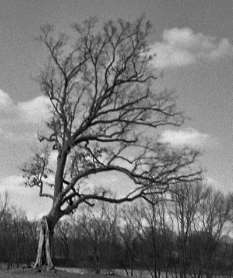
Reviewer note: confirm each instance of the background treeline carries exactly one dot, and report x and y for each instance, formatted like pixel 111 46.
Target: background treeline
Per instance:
pixel 186 231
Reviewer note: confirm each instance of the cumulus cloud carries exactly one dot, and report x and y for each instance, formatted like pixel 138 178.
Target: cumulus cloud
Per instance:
pixel 215 183
pixel 185 138
pixel 19 121
pixel 7 136
pixel 182 46
pixel 5 100
pixel 23 197
pixel 9 183
pixel 211 181
pixel 34 110
pixel 31 111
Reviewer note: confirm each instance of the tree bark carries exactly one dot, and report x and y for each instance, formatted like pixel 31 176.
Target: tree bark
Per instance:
pixel 44 251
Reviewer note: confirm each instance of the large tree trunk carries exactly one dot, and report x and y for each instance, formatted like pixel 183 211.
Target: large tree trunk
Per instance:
pixel 44 251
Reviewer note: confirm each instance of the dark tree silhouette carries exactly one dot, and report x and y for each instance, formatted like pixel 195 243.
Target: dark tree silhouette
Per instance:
pixel 105 117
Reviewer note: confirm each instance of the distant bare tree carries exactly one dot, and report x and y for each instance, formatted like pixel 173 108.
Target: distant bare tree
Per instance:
pixel 97 227
pixel 17 235
pixel 146 223
pixel 105 113
pixel 129 234
pixel 186 201
pixel 154 228
pixel 215 213
pixel 63 230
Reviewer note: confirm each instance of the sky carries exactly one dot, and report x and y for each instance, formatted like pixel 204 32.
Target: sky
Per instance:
pixel 192 41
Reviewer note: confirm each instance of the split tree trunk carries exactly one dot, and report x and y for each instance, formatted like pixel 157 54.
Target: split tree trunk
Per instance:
pixel 44 251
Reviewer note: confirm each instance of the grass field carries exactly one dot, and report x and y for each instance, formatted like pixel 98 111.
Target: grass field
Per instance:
pixel 55 274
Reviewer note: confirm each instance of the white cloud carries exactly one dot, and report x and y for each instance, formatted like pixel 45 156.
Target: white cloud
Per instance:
pixel 7 136
pixel 187 137
pixel 24 198
pixel 31 111
pixel 20 121
pixel 211 181
pixel 34 110
pixel 216 183
pixel 116 183
pixel 11 183
pixel 5 100
pixel 181 47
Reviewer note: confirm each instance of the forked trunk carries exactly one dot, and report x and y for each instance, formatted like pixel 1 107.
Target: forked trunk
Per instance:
pixel 44 251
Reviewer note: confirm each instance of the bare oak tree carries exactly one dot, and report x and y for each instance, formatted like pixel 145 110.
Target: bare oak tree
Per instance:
pixel 105 117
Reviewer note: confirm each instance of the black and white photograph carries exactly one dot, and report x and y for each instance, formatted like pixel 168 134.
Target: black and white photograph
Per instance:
pixel 116 138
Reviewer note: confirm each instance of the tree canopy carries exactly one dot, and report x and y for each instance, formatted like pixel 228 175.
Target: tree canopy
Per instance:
pixel 105 113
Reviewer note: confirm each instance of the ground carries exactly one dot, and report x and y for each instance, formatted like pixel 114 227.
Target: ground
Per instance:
pixel 57 274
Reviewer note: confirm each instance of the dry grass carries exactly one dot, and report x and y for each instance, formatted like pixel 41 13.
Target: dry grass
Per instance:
pixel 18 273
